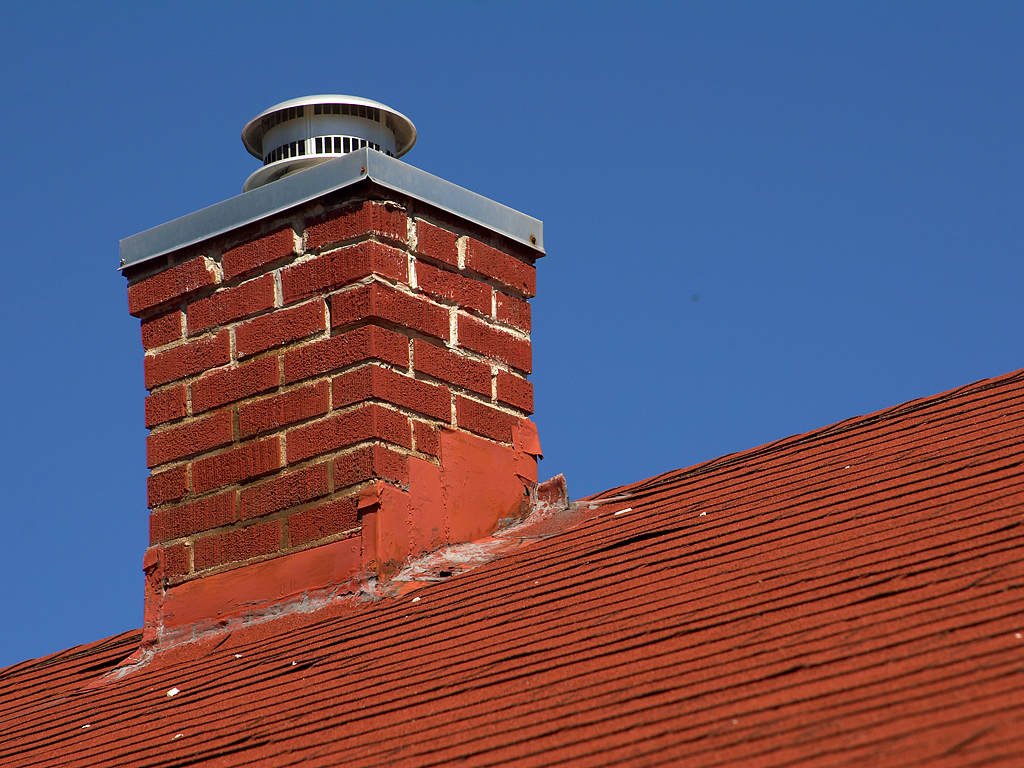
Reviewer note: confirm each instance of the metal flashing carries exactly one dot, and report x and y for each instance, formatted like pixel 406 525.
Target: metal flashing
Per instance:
pixel 303 186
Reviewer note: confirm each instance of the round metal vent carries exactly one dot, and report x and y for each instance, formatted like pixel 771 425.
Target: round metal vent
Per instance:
pixel 298 133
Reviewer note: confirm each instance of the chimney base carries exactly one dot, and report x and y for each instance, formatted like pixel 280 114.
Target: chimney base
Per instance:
pixel 477 487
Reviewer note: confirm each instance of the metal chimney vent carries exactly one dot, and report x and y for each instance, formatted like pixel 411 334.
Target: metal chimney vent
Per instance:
pixel 298 133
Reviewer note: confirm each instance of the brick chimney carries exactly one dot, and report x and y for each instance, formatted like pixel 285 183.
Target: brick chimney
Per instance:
pixel 337 367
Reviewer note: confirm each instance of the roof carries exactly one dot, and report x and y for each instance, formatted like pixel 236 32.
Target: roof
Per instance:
pixel 850 596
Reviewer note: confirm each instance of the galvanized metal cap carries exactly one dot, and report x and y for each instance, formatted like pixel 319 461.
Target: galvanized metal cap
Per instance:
pixel 303 132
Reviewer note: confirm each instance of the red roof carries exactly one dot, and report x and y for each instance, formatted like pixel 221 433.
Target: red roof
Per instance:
pixel 850 596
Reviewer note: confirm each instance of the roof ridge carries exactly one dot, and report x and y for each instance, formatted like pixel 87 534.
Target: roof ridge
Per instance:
pixel 631 490
pixel 80 651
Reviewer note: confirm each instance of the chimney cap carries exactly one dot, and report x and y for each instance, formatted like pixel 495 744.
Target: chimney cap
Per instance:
pixel 404 130
pixel 308 130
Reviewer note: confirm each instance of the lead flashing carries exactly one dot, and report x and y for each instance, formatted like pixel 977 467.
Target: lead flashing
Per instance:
pixel 322 179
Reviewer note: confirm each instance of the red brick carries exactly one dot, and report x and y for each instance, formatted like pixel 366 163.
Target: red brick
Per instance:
pixel 165 405
pixel 495 343
pixel 371 462
pixel 172 284
pixel 164 487
pixel 186 359
pixel 378 302
pixel 484 420
pixel 454 289
pixel 284 491
pixel 237 545
pixel 370 218
pixel 436 243
pixel 453 368
pixel 196 437
pixel 229 384
pixel 426 438
pixel 280 327
pixel 374 382
pixel 230 304
pixel 257 254
pixel 325 520
pixel 367 422
pixel 498 265
pixel 512 311
pixel 162 329
pixel 283 409
pixel 176 560
pixel 192 517
pixel 246 462
pixel 515 391
pixel 340 268
pixel 328 355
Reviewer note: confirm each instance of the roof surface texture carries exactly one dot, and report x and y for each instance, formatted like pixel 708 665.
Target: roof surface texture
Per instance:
pixel 851 596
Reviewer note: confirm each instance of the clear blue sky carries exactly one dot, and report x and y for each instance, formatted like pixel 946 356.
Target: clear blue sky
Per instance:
pixel 760 219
